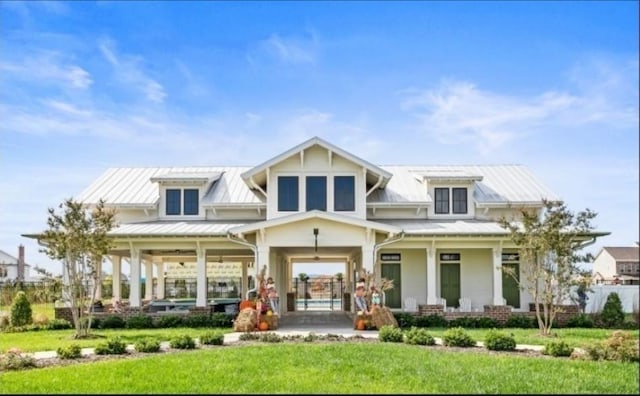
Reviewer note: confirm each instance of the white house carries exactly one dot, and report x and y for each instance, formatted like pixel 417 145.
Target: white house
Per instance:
pixel 432 229
pixel 619 265
pixel 13 268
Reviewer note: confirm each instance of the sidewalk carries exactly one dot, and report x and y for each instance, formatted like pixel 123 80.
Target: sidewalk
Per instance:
pixel 234 337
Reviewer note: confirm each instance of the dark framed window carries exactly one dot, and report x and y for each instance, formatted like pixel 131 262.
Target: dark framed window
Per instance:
pixel 459 200
pixel 442 200
pixel 510 257
pixel 173 202
pixel 287 193
pixel 191 202
pixel 316 193
pixel 344 193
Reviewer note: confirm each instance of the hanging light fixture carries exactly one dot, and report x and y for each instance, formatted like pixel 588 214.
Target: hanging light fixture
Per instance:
pixel 315 233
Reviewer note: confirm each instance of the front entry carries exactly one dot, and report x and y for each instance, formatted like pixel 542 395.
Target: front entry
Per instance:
pixel 510 287
pixel 316 293
pixel 393 297
pixel 450 283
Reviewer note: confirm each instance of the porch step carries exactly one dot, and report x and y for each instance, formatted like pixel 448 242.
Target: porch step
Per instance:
pixel 316 320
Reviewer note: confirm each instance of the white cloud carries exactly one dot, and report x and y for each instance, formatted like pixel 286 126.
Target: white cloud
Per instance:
pixel 129 70
pixel 288 49
pixel 458 112
pixel 47 68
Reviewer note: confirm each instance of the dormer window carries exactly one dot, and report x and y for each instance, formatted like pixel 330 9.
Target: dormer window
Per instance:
pixel 175 197
pixel 344 193
pixel 458 200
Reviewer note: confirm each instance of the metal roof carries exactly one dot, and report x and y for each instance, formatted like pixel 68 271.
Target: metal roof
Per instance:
pixel 174 228
pixel 195 177
pixel 500 184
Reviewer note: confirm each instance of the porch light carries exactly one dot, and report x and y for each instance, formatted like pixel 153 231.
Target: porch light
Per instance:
pixel 315 233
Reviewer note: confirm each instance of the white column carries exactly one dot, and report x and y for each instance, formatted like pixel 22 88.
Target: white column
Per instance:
pixel 148 276
pixel 432 297
pixel 497 276
pixel 244 284
pixel 263 260
pixel 99 280
pixel 134 279
pixel 116 278
pixel 161 280
pixel 201 278
pixel 367 257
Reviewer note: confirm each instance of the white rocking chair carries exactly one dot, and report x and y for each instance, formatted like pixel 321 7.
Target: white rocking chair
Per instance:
pixel 410 304
pixel 465 304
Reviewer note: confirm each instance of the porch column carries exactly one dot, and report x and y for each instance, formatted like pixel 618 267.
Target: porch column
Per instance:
pixel 134 279
pixel 367 257
pixel 263 261
pixel 244 284
pixel 201 278
pixel 116 278
pixel 497 276
pixel 99 280
pixel 161 283
pixel 148 280
pixel 432 297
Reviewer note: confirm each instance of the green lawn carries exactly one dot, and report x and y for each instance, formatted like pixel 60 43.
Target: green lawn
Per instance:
pixel 320 368
pixel 33 341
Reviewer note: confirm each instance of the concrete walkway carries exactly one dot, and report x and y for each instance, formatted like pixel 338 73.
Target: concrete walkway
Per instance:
pixel 297 323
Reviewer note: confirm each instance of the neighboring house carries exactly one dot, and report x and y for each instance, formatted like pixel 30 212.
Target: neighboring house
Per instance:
pixel 617 265
pixel 432 229
pixel 13 268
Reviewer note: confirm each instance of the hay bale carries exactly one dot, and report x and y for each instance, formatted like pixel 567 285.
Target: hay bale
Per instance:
pixel 272 321
pixel 247 320
pixel 382 316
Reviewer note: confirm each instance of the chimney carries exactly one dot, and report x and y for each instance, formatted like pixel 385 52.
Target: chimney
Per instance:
pixel 21 262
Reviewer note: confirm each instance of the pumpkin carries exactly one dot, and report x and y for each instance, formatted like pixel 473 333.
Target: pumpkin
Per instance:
pixel 263 326
pixel 247 304
pixel 269 313
pixel 360 324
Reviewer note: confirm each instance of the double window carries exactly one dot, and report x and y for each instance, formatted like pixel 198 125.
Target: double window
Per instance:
pixel 175 198
pixel 344 193
pixel 458 200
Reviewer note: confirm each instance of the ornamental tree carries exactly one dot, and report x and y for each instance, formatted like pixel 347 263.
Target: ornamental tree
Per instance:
pixel 77 236
pixel 550 244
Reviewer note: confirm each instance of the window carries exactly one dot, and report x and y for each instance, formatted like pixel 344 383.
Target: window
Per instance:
pixel 173 202
pixel 442 200
pixel 450 257
pixel 3 272
pixel 287 193
pixel 317 193
pixel 190 202
pixel 459 200
pixel 344 193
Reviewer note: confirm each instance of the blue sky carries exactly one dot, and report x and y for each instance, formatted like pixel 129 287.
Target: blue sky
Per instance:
pixel 89 85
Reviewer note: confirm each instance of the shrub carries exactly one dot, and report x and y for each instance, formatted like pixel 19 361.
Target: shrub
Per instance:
pixel 59 324
pixel 112 322
pixel 21 310
pixel 139 322
pixel 14 360
pixel 457 337
pixel 311 337
pixel 95 322
pixel 222 320
pixel 270 337
pixel 182 342
pixel 212 338
pixel 249 336
pixel 521 322
pixel 200 320
pixel 581 320
pixel 113 346
pixel 72 351
pixel 621 346
pixel 405 319
pixel 390 334
pixel 148 345
pixel 557 348
pixel 497 341
pixel 433 320
pixel 612 315
pixel 169 321
pixel 418 336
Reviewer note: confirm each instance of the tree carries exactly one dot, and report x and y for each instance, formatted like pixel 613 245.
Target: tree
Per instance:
pixel 78 237
pixel 550 242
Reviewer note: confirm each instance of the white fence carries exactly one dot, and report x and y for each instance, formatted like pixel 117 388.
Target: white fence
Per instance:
pixel 629 297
